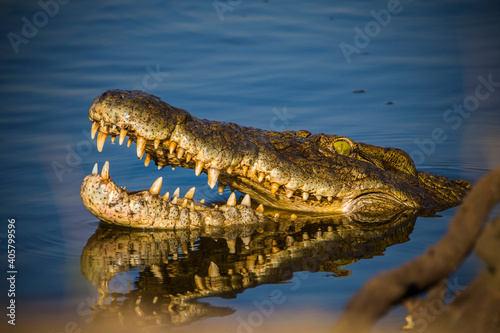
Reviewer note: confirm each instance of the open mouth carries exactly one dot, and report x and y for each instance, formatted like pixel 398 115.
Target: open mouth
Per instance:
pixel 293 171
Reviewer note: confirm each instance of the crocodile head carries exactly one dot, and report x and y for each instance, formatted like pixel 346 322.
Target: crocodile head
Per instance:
pixel 295 171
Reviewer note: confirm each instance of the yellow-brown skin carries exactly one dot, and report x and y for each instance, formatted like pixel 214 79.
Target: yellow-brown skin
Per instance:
pixel 296 171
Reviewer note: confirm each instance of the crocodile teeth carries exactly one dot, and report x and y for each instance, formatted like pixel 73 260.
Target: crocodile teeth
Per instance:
pixel 160 166
pixel 260 209
pixel 202 201
pixel 180 152
pixel 177 193
pixel 123 133
pixel 113 138
pixel 261 177
pixel 105 171
pixel 95 170
pixel 289 193
pixel 166 196
pixel 305 196
pixel 190 193
pixel 141 146
pixel 330 198
pixel 246 200
pixel 213 175
pixel 93 131
pixel 171 147
pixel 319 197
pixel 147 160
pixel 198 168
pixel 156 143
pixel 188 157
pixel 156 187
pixel 274 187
pixel 221 188
pixel 231 202
pixel 230 170
pixel 185 203
pixel 293 217
pixel 213 270
pixel 174 200
pixel 245 170
pixel 101 138
pixel 129 142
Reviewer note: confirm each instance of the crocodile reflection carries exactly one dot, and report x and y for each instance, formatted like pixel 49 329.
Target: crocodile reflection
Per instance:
pixel 178 268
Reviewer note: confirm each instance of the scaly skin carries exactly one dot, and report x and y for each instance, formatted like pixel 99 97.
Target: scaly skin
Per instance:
pixel 293 171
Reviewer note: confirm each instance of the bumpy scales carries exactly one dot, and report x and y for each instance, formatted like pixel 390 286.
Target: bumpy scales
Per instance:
pixel 292 171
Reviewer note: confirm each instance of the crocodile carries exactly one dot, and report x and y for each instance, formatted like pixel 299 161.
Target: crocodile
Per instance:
pixel 294 171
pixel 176 272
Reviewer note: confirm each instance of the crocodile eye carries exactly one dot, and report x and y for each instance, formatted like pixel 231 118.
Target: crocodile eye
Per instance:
pixel 342 147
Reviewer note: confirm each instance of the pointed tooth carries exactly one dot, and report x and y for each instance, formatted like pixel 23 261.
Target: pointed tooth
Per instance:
pixel 93 130
pixel 202 201
pixel 174 200
pixel 276 216
pixel 188 157
pixel 245 170
pixel 180 152
pixel 173 167
pixel 330 198
pixel 166 196
pixel 184 203
pixel 124 188
pixel 289 193
pixel 260 209
pixel 160 166
pixel 147 160
pixel 113 138
pixel 95 170
pixel 261 177
pixel 123 133
pixel 221 188
pixel 230 170
pixel 213 175
pixel 305 196
pixel 156 143
pixel 172 146
pixel 113 128
pixel 319 197
pixel 274 187
pixel 246 201
pixel 129 142
pixel 190 193
pixel 231 202
pixel 293 217
pixel 213 270
pixel 102 122
pixel 156 187
pixel 141 146
pixel 177 193
pixel 101 138
pixel 191 206
pixel 105 171
pixel 198 168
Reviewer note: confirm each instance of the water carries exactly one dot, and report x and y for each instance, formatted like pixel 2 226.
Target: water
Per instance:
pixel 268 64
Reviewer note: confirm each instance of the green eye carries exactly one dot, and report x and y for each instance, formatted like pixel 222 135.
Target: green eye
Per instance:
pixel 342 147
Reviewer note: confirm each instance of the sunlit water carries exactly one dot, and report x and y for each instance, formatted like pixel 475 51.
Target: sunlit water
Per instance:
pixel 268 64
